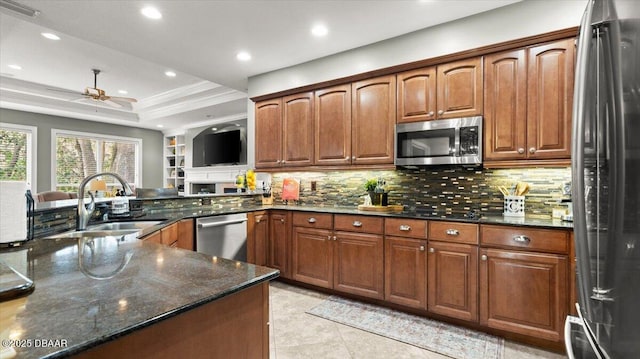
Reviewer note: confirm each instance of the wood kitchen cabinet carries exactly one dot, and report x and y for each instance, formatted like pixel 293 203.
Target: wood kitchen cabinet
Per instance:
pixel 445 91
pixel 186 239
pixel 524 281
pixel 257 237
pixel 268 122
pixel 453 270
pixel 332 126
pixel 278 245
pixel 373 107
pixel 405 255
pixel 312 249
pixel 528 101
pixel 284 134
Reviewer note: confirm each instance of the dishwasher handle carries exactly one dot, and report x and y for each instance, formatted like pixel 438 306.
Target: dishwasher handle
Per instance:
pixel 221 223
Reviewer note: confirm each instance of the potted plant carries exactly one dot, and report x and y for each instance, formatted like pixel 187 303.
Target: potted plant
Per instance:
pixel 370 186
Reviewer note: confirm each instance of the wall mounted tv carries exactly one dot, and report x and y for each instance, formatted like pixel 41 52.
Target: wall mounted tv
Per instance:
pixel 222 148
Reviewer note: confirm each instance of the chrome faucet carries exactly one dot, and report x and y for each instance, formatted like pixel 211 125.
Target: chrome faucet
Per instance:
pixel 84 213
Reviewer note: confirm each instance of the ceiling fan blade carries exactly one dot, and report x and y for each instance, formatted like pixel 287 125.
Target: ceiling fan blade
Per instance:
pixel 112 104
pixel 123 99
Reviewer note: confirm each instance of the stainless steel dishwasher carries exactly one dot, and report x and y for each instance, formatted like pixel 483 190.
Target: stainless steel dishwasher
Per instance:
pixel 223 236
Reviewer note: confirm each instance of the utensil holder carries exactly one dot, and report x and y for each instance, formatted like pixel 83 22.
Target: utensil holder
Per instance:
pixel 514 206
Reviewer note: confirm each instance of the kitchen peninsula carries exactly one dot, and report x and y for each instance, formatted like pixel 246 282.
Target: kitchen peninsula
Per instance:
pixel 123 297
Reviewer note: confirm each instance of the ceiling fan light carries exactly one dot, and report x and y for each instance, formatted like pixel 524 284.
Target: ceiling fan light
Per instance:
pixel 151 12
pixel 50 36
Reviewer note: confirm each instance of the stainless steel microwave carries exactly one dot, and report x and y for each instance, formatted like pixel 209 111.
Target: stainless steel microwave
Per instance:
pixel 439 142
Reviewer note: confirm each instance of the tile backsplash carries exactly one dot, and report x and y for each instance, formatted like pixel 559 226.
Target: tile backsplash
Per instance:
pixel 439 190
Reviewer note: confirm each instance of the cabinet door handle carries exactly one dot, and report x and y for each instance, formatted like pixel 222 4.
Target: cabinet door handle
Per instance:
pixel 257 221
pixel 405 228
pixel 430 113
pixel 532 150
pixel 357 224
pixel 334 238
pixel 311 220
pixel 329 237
pixel 421 248
pixel 431 250
pixel 483 257
pixel 347 158
pixel 440 112
pixel 282 220
pixel 353 157
pixel 520 150
pixel 452 232
pixel 522 239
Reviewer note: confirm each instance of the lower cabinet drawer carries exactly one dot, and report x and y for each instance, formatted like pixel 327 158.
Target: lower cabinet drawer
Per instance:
pixel 362 224
pixel 536 239
pixel 455 232
pixel 402 227
pixel 313 220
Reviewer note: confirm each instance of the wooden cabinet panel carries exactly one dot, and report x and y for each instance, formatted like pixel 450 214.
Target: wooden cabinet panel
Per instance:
pixel 403 227
pixel 312 260
pixel 364 224
pixel 359 264
pixel 536 239
pixel 453 280
pixel 416 95
pixel 453 232
pixel 460 88
pixel 268 122
pixel 169 234
pixel 505 109
pixel 186 238
pixel 523 292
pixel 297 127
pixel 550 93
pixel 257 237
pixel 332 126
pixel 313 220
pixel 373 118
pixel 278 253
pixel 155 237
pixel 405 280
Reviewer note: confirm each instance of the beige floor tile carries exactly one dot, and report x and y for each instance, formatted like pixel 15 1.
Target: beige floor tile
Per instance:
pixel 518 351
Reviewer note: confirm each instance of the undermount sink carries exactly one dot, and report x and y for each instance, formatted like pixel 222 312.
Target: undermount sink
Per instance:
pixel 113 229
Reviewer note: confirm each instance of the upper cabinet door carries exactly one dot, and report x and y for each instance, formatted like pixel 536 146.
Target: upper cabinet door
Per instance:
pixel 460 88
pixel 268 133
pixel 297 125
pixel 550 92
pixel 417 95
pixel 332 123
pixel 373 121
pixel 505 105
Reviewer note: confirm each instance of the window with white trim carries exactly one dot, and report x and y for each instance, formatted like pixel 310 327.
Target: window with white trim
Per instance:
pixel 77 155
pixel 17 153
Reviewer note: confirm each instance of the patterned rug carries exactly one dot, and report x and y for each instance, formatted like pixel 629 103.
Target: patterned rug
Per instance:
pixel 446 339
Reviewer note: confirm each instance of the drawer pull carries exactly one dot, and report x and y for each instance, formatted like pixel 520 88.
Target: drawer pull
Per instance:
pixel 483 257
pixel 452 232
pixel 522 239
pixel 405 228
pixel 257 221
pixel 357 224
pixel 329 237
pixel 282 220
pixel 334 238
pixel 421 248
pixel 431 250
pixel 311 220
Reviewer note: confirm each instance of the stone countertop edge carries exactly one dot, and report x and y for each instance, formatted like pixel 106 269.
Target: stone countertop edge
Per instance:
pixel 63 353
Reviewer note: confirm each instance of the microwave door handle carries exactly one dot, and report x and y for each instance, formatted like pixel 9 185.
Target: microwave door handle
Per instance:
pixel 456 144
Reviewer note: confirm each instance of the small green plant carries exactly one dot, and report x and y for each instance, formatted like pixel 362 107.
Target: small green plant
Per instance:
pixel 370 185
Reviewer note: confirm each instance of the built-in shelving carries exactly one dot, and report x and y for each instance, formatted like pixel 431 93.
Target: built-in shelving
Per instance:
pixel 174 162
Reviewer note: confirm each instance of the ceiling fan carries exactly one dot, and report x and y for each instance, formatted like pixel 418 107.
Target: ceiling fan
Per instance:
pixel 96 94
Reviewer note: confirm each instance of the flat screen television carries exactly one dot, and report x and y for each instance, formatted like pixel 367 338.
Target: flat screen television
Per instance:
pixel 222 148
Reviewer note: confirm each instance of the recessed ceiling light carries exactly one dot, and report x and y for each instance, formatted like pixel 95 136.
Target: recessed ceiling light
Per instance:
pixel 170 74
pixel 124 92
pixel 50 36
pixel 319 30
pixel 151 12
pixel 15 67
pixel 159 126
pixel 243 56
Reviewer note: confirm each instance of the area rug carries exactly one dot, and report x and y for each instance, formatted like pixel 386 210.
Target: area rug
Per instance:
pixel 445 339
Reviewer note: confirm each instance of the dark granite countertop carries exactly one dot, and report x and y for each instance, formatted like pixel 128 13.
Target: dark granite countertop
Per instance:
pixel 79 311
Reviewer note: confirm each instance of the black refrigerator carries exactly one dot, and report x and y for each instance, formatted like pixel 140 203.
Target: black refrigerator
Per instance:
pixel 606 183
